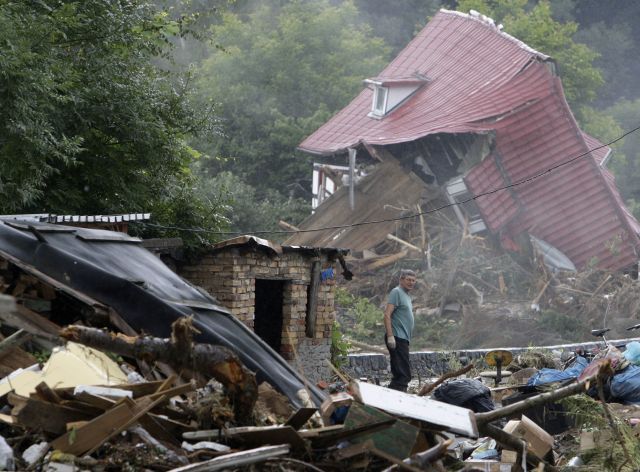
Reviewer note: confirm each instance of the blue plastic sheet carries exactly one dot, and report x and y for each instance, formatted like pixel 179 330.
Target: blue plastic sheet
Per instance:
pixel 625 385
pixel 545 376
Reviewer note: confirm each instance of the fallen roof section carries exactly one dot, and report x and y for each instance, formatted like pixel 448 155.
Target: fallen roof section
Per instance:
pixel 383 195
pixel 117 271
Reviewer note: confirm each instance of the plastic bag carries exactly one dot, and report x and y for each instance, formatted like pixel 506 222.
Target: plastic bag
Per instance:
pixel 467 393
pixel 632 352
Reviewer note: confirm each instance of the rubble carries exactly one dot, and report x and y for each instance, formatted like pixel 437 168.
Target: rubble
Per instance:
pixel 172 424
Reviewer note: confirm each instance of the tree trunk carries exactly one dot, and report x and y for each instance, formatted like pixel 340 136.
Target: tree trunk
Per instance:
pixel 212 361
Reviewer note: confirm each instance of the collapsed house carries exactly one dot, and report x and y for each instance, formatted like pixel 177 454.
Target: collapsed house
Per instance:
pixel 470 117
pixel 62 274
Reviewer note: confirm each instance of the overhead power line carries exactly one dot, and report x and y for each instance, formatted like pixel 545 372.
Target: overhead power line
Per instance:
pixel 413 215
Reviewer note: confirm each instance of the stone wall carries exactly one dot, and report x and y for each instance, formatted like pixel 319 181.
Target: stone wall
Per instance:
pixel 230 275
pixel 428 364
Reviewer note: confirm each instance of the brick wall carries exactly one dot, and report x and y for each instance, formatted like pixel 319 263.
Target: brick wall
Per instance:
pixel 230 275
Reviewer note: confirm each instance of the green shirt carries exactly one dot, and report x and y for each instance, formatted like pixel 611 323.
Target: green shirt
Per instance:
pixel 402 316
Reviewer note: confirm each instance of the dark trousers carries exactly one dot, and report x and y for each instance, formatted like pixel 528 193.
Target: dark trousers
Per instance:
pixel 400 365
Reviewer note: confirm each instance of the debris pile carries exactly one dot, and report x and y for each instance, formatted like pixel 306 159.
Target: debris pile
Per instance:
pixel 472 293
pixel 88 408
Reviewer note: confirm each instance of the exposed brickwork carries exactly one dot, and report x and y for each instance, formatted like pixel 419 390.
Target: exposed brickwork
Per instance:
pixel 230 274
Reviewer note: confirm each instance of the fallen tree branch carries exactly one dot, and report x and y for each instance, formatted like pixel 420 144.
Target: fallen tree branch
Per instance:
pixel 547 397
pixel 429 387
pixel 211 361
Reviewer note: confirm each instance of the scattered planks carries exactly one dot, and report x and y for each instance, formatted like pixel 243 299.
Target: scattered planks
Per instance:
pixel 182 353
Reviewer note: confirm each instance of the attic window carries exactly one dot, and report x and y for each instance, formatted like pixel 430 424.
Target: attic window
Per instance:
pixel 379 105
pixel 391 92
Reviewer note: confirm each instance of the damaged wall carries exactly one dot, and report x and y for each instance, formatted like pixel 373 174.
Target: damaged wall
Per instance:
pixel 263 289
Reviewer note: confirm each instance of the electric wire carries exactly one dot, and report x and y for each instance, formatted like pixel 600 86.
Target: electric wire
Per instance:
pixel 413 215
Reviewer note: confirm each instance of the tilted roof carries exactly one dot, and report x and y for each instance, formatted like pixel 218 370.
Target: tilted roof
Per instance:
pixel 117 271
pixel 484 80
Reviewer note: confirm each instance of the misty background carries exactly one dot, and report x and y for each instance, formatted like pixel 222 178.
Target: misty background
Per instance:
pixel 275 71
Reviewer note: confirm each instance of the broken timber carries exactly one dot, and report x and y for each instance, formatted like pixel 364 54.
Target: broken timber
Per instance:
pixel 211 361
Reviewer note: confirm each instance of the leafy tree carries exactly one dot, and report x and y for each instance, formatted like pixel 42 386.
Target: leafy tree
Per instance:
pixel 536 27
pixel 626 161
pixel 90 122
pixel 283 69
pixel 397 22
pixel 250 210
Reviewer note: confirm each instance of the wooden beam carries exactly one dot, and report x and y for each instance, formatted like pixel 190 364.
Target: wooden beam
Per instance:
pixel 16 339
pixel 287 226
pixel 388 260
pixel 391 237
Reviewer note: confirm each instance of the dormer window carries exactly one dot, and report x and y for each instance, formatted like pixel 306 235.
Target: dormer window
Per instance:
pixel 380 95
pixel 389 93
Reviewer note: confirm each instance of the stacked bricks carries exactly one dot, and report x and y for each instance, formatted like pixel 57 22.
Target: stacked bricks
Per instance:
pixel 229 274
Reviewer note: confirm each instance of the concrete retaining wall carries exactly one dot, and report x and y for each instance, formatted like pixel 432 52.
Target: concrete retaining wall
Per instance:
pixel 434 363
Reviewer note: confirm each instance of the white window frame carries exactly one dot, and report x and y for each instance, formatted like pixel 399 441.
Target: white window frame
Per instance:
pixel 457 191
pixel 378 89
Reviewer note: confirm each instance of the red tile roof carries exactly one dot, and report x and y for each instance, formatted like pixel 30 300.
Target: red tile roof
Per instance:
pixel 483 80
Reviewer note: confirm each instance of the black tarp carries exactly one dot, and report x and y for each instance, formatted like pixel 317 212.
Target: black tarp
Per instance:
pixel 117 271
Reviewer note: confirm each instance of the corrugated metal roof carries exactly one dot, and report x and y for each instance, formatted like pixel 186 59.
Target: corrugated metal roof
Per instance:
pixel 52 218
pixel 481 79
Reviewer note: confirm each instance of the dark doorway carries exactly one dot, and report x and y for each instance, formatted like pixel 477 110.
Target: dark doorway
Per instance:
pixel 268 315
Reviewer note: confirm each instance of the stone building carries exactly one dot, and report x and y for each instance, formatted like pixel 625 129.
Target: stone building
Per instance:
pixel 285 294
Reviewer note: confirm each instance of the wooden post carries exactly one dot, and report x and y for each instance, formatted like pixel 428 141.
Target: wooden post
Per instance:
pixel 312 300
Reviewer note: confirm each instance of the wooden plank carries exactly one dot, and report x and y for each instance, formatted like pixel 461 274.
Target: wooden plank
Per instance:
pixel 16 339
pixel 44 416
pixel 398 440
pixel 174 428
pixel 152 426
pixel 440 415
pixel 95 400
pixel 268 435
pixel 13 359
pixel 46 393
pixel 38 321
pixel 236 459
pixel 139 390
pixel 139 409
pixel 300 417
pixel 85 438
pixel 91 436
pixel 172 392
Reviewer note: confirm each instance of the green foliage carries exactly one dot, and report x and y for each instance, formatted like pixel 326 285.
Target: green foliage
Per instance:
pixel 339 346
pixel 537 27
pixel 366 319
pixel 567 326
pixel 249 209
pixel 41 356
pixel 282 70
pixel 625 162
pixel 90 122
pixel 397 22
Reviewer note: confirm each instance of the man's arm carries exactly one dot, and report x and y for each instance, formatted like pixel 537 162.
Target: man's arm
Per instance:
pixel 388 311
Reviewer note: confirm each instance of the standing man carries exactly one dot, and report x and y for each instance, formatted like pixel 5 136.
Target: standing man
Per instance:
pixel 398 323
